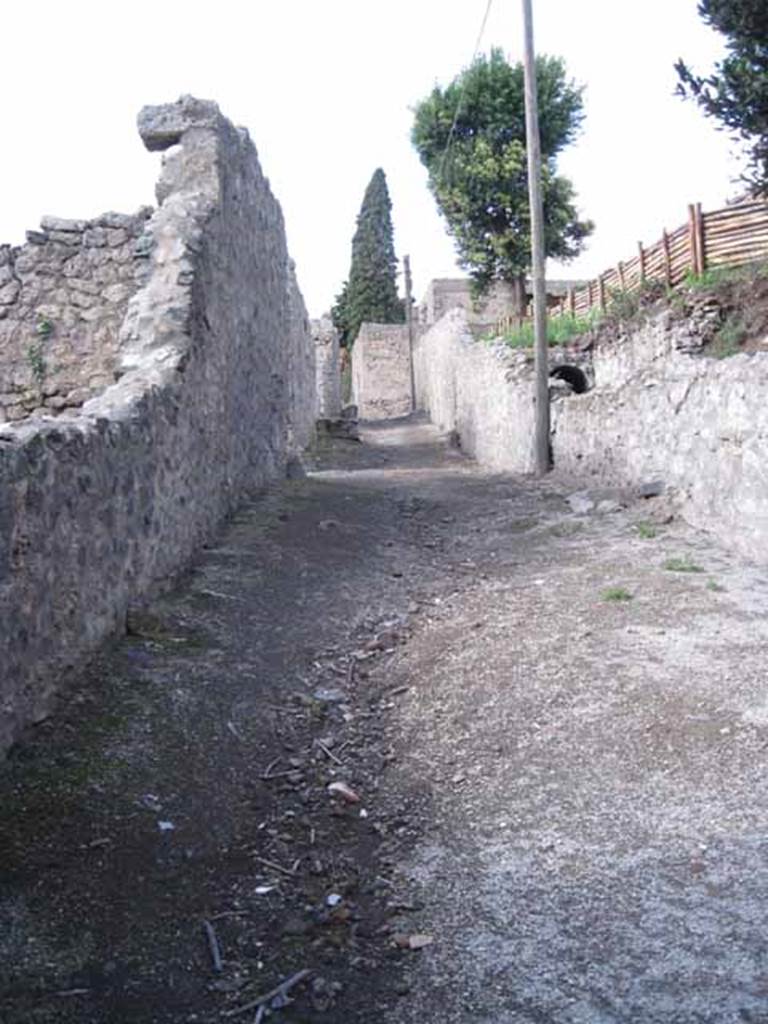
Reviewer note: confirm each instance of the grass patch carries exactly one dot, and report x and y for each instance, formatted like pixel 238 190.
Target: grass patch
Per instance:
pixel 646 530
pixel 682 565
pixel 617 594
pixel 623 304
pixel 561 330
pixel 712 278
pixel 714 586
pixel 730 337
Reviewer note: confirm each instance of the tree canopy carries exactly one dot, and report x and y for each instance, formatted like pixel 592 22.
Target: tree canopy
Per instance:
pixel 470 136
pixel 736 92
pixel 370 292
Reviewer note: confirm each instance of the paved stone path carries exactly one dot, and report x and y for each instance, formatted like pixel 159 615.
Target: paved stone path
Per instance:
pixel 556 725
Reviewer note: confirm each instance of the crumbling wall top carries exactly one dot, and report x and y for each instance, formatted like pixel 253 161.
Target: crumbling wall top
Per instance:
pixel 162 126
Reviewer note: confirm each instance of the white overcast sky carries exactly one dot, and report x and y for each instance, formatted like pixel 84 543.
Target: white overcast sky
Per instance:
pixel 325 88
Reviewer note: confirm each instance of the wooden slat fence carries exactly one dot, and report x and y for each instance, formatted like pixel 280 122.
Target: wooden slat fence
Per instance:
pixel 732 236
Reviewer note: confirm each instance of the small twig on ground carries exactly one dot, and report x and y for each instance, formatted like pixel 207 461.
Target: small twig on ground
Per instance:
pixel 259 1014
pixel 329 753
pixel 271 864
pixel 217 593
pixel 67 992
pixel 230 913
pixel 233 730
pixel 268 769
pixel 351 670
pixel 283 710
pixel 280 990
pixel 213 946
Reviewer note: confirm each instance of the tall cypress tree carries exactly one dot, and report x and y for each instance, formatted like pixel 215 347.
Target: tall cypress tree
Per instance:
pixel 370 292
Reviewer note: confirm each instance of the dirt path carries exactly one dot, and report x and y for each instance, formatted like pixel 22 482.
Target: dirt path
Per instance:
pixel 559 747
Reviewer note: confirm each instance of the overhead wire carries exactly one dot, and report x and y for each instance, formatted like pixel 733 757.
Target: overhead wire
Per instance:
pixel 457 112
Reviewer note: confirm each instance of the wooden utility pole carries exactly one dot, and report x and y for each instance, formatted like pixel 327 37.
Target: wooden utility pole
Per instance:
pixel 409 322
pixel 533 146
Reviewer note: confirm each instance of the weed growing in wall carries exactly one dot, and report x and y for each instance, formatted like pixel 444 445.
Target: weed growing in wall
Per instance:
pixel 647 530
pixel 729 338
pixel 622 305
pixel 35 357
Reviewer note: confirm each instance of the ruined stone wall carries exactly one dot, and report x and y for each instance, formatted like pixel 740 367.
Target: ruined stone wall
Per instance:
pixel 301 371
pixel 660 411
pixel 446 293
pixel 327 360
pixel 63 297
pixel 99 504
pixel 381 372
pixel 483 392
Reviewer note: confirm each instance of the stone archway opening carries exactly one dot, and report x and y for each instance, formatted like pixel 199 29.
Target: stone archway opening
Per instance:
pixel 572 375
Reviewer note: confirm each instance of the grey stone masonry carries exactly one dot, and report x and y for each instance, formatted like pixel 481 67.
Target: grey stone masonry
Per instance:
pixel 659 410
pixel 467 387
pixel 63 297
pixel 381 373
pixel 446 293
pixel 215 390
pixel 327 360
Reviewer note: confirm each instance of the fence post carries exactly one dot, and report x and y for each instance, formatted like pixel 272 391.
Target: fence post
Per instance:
pixel 620 269
pixel 700 239
pixel 641 252
pixel 667 259
pixel 572 301
pixel 695 240
pixel 601 291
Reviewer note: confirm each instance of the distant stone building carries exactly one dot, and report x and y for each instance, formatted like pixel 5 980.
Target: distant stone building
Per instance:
pixel 381 361
pixel 381 372
pixel 446 293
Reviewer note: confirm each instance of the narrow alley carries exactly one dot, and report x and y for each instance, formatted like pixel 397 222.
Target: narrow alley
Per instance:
pixel 409 743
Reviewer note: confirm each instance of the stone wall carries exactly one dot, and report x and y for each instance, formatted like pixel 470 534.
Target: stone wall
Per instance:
pixel 446 293
pixel 481 391
pixel 300 372
pixel 381 372
pixel 328 364
pixel 661 411
pixel 99 504
pixel 63 297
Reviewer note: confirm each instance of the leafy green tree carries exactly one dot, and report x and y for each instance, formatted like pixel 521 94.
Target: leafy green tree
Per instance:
pixel 736 93
pixel 370 293
pixel 471 138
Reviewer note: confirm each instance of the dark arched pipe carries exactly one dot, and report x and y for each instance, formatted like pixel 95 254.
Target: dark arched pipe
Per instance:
pixel 571 375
